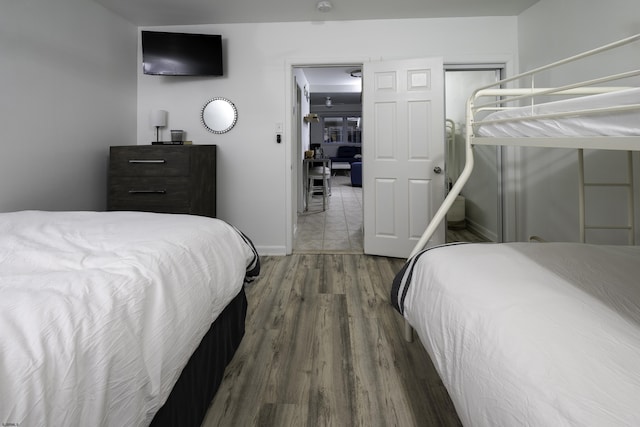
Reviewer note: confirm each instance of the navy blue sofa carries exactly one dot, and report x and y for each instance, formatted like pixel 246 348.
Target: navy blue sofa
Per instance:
pixel 346 154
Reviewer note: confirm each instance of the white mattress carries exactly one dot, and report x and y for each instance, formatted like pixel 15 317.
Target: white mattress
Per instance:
pixel 535 334
pixel 625 123
pixel 99 312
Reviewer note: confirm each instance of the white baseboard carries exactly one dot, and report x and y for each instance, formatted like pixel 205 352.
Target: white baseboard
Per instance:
pixel 481 231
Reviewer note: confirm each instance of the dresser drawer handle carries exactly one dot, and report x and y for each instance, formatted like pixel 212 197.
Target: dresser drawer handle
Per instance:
pixel 147 191
pixel 148 161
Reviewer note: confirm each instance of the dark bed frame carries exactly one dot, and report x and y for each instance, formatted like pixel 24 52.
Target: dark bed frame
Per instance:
pixel 192 394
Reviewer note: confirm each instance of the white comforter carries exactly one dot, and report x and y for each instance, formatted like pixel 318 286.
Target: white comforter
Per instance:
pixel 603 123
pixel 99 312
pixel 533 334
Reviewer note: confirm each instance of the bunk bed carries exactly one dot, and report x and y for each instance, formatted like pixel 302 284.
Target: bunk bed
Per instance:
pixel 118 318
pixel 530 333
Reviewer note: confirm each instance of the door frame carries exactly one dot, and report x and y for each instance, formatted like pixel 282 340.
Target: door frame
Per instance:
pixel 509 157
pixel 500 152
pixel 290 138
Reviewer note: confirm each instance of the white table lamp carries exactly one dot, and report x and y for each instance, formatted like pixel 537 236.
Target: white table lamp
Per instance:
pixel 159 120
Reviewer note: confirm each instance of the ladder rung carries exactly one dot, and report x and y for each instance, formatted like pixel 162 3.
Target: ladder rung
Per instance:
pixel 628 185
pixel 607 227
pixel 606 184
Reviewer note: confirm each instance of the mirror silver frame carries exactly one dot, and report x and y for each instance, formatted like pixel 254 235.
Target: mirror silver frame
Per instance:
pixel 219 115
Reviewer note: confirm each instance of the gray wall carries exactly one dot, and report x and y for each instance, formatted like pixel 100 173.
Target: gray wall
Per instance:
pixel 68 85
pixel 549 31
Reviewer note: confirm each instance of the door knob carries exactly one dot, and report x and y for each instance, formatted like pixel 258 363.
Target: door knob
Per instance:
pixel 437 169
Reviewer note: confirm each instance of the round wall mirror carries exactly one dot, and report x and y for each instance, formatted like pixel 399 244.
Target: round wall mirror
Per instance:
pixel 219 115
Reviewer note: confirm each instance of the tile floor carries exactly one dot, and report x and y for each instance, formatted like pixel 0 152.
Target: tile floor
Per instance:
pixel 339 228
pixel 336 230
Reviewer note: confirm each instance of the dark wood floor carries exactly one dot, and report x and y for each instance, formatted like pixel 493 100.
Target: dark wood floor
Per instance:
pixel 464 235
pixel 323 347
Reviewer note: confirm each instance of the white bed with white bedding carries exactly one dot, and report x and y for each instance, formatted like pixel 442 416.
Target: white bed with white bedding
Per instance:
pixel 99 312
pixel 535 334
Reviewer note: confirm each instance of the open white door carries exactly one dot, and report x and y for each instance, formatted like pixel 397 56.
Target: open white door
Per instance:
pixel 403 153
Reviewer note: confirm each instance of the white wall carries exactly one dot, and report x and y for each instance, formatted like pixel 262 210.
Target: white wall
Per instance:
pixel 552 30
pixel 254 171
pixel 68 92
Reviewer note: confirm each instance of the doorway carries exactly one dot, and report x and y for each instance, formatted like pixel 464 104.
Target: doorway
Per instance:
pixel 477 213
pixel 329 118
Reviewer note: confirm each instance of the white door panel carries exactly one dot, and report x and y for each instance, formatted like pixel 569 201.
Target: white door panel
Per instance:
pixel 403 118
pixel 419 207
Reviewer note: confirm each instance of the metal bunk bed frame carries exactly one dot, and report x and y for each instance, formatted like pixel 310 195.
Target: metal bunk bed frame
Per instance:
pixel 503 96
pixel 627 143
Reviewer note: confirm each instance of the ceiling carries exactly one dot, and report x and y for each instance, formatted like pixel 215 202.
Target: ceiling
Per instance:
pixel 323 81
pixel 334 78
pixel 193 12
pixel 334 81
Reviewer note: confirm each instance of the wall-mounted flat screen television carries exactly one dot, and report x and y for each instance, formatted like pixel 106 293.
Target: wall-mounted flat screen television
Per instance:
pixel 181 54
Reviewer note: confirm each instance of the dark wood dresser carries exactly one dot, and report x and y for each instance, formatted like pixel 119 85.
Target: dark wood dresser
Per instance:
pixel 163 178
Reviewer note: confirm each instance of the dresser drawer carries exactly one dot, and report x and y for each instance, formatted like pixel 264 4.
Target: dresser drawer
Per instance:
pixel 163 178
pixel 155 194
pixel 149 161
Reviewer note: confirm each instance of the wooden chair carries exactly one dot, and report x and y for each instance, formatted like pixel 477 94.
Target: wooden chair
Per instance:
pixel 322 175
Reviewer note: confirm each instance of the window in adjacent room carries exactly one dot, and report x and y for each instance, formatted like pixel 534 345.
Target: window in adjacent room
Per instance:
pixel 341 129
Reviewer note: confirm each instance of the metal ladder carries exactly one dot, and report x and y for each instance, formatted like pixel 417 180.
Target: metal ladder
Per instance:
pixel 630 226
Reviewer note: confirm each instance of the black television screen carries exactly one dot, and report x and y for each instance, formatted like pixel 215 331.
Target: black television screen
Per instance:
pixel 181 54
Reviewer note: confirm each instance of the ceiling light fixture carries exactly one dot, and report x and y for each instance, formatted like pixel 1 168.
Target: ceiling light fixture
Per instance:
pixel 356 73
pixel 324 6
